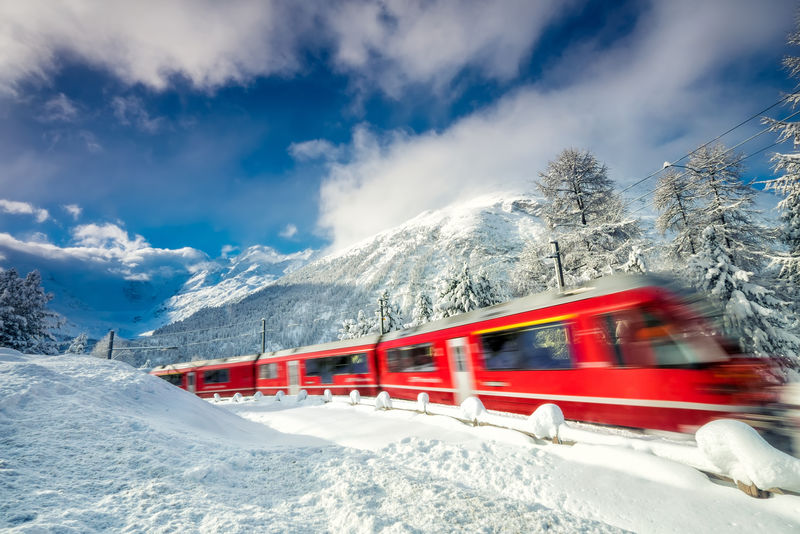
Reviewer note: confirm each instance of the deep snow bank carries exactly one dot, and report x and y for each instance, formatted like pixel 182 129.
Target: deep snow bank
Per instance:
pixel 89 445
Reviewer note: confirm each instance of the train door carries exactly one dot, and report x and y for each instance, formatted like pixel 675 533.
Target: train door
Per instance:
pixel 459 366
pixel 190 387
pixel 294 378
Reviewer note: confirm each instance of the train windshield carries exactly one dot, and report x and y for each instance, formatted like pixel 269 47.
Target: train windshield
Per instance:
pixel 649 337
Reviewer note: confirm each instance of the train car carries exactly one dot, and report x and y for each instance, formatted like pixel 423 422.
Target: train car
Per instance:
pixel 626 351
pixel 340 366
pixel 224 376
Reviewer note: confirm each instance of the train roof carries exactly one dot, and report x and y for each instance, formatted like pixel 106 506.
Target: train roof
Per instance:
pixel 595 288
pixel 333 345
pixel 202 363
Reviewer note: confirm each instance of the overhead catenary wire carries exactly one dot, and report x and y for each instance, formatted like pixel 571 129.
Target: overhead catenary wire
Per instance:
pixel 727 151
pixel 218 327
pixel 720 136
pixel 687 172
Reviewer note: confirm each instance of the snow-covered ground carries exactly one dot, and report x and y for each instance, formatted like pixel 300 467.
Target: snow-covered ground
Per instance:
pixel 91 445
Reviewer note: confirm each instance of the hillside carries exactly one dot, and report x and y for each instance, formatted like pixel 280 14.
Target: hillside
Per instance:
pixel 308 305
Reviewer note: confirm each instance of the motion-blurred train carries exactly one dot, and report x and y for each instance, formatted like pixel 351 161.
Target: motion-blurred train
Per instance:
pixel 625 351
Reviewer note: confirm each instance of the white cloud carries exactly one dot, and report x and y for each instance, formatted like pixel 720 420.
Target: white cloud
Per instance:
pixel 388 44
pixel 397 43
pixel 649 99
pixel 109 248
pixel 227 249
pixel 131 111
pixel 24 208
pixel 314 149
pixel 59 108
pixel 92 144
pixel 73 209
pixel 289 231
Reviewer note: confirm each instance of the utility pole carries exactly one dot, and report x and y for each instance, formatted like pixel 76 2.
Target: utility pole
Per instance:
pixel 381 304
pixel 263 335
pixel 110 344
pixel 556 255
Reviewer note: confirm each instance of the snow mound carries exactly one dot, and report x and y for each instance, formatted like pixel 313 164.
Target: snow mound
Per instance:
pixel 472 409
pixel 302 395
pixel 355 397
pixel 383 401
pixel 237 397
pixel 545 421
pixel 106 441
pixel 279 395
pixel 327 395
pixel 257 396
pixel 738 451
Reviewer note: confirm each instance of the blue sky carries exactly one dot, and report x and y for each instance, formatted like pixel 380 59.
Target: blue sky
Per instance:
pixel 138 137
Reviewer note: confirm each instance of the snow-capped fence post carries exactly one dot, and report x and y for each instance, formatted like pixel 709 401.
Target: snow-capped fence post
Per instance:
pixel 383 401
pixel 545 422
pixel 217 398
pixel 355 397
pixel 237 397
pixel 257 396
pixel 327 395
pixel 302 395
pixel 279 395
pixel 741 454
pixel 422 402
pixel 472 408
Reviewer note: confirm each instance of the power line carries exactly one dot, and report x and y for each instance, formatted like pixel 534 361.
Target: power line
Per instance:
pixel 197 330
pixel 688 154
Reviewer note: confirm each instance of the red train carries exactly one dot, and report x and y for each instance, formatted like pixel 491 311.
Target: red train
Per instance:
pixel 626 351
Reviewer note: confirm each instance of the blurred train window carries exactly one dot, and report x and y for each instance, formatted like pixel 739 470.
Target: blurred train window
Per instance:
pixel 538 347
pixel 645 337
pixel 268 371
pixel 416 358
pixel 217 376
pixel 326 368
pixel 174 379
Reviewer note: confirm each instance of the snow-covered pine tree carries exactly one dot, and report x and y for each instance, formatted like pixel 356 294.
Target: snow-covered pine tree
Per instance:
pixel 78 345
pixel 726 202
pixel 636 262
pixel 423 311
pixel 585 215
pixel 23 313
pixel 392 316
pixel 361 326
pixel 787 184
pixel 751 312
pixel 460 293
pixel 675 199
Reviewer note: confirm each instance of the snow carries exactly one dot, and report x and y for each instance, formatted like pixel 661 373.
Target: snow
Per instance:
pixel 91 445
pixel 355 397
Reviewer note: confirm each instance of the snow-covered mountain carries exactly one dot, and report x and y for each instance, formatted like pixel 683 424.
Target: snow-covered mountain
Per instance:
pixel 95 297
pixel 220 282
pixel 308 304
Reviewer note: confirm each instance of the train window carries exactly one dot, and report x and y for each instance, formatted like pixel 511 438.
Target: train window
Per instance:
pixel 174 379
pixel 268 371
pixel 416 358
pixel 217 376
pixel 538 347
pixel 644 337
pixel 326 368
